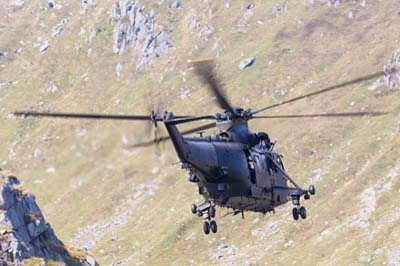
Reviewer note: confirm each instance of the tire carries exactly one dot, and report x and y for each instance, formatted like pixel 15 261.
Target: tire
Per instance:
pixel 303 212
pixel 206 228
pixel 213 226
pixel 311 189
pixel 211 212
pixel 193 208
pixel 295 213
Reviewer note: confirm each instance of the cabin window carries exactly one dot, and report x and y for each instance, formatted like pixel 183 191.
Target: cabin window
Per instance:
pixel 272 167
pixel 250 165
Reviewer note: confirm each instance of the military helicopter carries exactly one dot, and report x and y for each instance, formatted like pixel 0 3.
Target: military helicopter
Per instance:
pixel 236 168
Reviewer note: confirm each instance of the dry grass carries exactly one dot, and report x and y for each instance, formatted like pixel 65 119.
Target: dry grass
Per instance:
pixel 297 52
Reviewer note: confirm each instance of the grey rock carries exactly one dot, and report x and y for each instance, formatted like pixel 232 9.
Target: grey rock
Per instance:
pixel 153 48
pixel 18 50
pixel 57 29
pixel 247 63
pixel 176 4
pixel 45 46
pixel 25 232
pixel 27 65
pixel 36 228
pixel 87 2
pixel 94 34
pixel 278 9
pixel 51 89
pixel 392 71
pixel 118 69
pixel 85 5
pixel 17 3
pixel 333 2
pixel 134 29
pixel 3 54
pixel 91 261
pixel 206 31
pixel 192 23
pixel 251 6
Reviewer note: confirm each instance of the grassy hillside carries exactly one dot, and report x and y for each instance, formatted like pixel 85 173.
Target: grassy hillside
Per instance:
pixel 132 205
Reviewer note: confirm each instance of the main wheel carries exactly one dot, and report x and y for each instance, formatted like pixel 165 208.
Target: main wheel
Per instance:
pixel 295 213
pixel 206 227
pixel 303 212
pixel 311 189
pixel 193 208
pixel 213 226
pixel 211 212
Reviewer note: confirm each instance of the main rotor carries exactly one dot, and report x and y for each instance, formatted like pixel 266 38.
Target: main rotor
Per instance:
pixel 230 116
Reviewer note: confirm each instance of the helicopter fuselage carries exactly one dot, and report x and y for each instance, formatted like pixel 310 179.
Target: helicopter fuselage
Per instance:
pixel 233 175
pixel 234 169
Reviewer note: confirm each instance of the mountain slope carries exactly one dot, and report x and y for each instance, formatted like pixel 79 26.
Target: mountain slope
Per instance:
pixel 132 205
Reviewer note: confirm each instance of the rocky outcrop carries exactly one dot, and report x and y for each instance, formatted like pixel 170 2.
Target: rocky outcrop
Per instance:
pixel 24 233
pixel 135 29
pixel 392 71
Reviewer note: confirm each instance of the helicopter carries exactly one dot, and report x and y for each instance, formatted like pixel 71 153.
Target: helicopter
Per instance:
pixel 235 168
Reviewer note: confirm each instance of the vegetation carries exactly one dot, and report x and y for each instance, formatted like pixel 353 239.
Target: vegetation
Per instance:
pixel 132 205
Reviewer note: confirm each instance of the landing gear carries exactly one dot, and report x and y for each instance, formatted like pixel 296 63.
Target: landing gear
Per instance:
pixel 206 227
pixel 193 208
pixel 299 211
pixel 211 212
pixel 295 213
pixel 213 226
pixel 207 211
pixel 303 212
pixel 193 178
pixel 311 189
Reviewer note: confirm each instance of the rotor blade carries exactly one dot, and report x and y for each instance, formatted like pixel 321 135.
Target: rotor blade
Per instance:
pixel 324 115
pixel 89 116
pixel 162 139
pixel 204 69
pixel 334 87
pixel 191 119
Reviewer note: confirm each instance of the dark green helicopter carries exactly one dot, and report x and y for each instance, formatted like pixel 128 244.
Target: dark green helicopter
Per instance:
pixel 236 168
